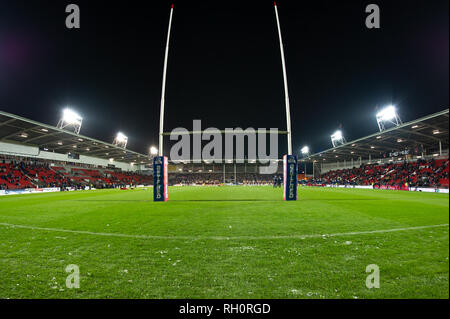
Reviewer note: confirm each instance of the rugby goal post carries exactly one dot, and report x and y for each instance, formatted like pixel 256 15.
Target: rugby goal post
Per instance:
pixel 290 163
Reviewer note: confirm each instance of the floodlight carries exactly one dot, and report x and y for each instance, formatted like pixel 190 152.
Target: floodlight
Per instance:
pixel 153 150
pixel 121 140
pixel 337 138
pixel 70 116
pixel 386 116
pixel 70 119
pixel 305 150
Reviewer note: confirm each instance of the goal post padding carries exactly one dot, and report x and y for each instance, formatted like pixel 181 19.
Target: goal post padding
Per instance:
pixel 290 170
pixel 160 179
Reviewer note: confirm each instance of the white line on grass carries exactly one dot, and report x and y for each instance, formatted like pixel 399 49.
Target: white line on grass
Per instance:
pixel 223 237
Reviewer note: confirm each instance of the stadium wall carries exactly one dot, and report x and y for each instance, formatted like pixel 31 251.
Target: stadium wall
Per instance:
pixel 33 151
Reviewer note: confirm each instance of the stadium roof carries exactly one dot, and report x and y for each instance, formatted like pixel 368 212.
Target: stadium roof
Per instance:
pixel 427 131
pixel 19 130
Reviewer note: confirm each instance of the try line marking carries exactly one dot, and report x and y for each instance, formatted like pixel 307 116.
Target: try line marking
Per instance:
pixel 223 237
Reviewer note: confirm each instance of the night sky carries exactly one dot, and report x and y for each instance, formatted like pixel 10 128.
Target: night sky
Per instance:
pixel 224 65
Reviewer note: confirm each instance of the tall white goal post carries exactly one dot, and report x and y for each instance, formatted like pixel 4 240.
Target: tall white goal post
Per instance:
pixel 290 164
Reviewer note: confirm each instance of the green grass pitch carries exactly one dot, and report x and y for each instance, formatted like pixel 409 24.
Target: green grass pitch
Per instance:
pixel 225 242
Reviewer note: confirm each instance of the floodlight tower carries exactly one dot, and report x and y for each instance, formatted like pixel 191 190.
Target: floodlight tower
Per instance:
pixel 338 139
pixel 305 153
pixel 120 140
pixel 70 119
pixel 388 115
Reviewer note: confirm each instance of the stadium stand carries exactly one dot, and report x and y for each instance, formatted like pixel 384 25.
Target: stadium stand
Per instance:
pixel 16 173
pixel 217 179
pixel 420 173
pixel 37 155
pixel 12 176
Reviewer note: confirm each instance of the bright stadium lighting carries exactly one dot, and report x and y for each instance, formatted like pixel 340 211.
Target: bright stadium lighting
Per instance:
pixel 71 120
pixel 305 150
pixel 153 150
pixel 388 115
pixel 337 138
pixel 121 140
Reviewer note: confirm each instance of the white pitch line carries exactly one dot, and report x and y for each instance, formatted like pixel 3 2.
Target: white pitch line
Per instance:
pixel 223 237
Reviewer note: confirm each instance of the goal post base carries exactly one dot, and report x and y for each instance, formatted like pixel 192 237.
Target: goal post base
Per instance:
pixel 290 177
pixel 160 179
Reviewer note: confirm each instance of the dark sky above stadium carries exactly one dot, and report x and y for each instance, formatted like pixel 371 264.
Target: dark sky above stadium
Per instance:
pixel 224 65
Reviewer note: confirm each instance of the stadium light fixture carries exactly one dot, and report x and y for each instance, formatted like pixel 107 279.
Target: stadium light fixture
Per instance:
pixel 305 150
pixel 153 150
pixel 121 140
pixel 70 119
pixel 388 115
pixel 337 139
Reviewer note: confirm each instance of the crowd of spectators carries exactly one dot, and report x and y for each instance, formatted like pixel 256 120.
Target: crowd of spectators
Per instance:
pixel 12 177
pixel 421 173
pixel 23 174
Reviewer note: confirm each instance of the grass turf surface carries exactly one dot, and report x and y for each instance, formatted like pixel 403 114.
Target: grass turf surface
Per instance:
pixel 225 242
